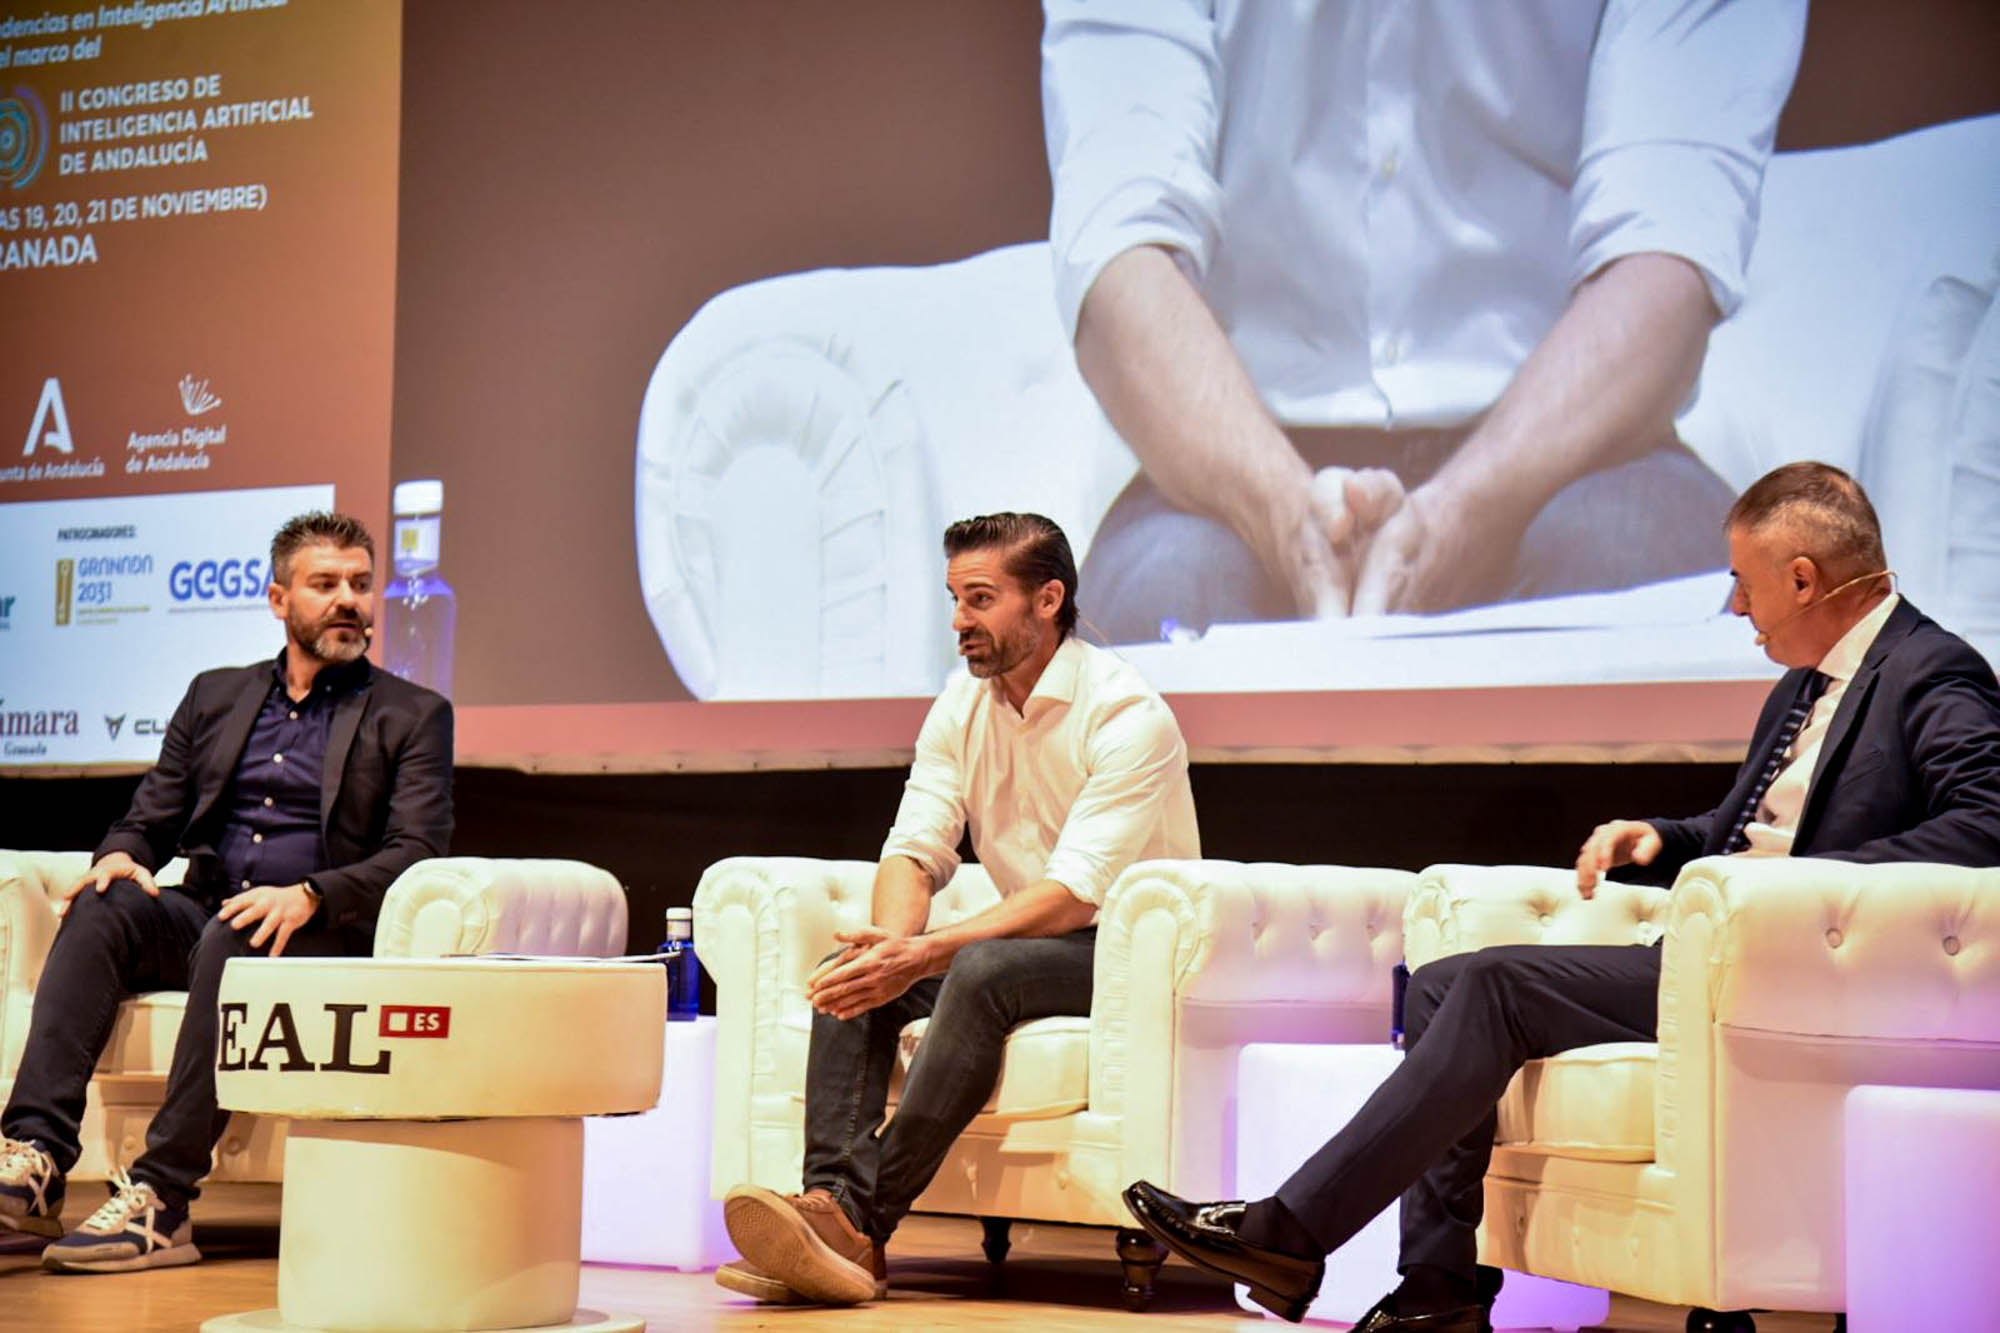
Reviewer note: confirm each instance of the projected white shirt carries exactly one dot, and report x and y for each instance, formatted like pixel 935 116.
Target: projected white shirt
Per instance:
pixel 1090 776
pixel 1387 205
pixel 1777 821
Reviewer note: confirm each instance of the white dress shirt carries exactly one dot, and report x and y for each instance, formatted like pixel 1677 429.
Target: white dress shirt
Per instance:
pixel 1388 202
pixel 1777 821
pixel 1090 776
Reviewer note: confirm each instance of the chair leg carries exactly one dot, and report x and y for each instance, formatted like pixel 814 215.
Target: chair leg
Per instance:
pixel 1700 1320
pixel 1140 1256
pixel 995 1241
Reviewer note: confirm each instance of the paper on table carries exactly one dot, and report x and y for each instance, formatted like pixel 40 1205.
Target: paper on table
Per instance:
pixel 1685 601
pixel 1672 631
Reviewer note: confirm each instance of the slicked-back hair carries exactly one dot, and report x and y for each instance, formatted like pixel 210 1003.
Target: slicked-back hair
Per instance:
pixel 1036 551
pixel 317 528
pixel 1822 509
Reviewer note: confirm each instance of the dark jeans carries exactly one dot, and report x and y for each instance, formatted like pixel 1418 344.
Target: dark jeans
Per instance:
pixel 1470 1022
pixel 112 945
pixel 990 987
pixel 1657 517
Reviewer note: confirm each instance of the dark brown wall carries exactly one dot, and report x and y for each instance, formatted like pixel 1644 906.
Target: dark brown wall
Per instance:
pixel 1877 68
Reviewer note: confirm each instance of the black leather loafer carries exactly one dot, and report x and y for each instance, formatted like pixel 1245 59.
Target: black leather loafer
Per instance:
pixel 1463 1319
pixel 1206 1234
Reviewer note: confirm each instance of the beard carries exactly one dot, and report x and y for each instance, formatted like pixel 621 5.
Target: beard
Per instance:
pixel 323 640
pixel 996 655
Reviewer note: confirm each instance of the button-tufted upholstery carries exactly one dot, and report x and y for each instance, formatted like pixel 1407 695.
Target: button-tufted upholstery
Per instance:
pixel 470 904
pixel 1195 959
pixel 448 905
pixel 1706 1169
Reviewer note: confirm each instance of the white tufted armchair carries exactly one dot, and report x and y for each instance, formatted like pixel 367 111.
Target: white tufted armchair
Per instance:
pixel 447 905
pixel 1195 960
pixel 1706 1169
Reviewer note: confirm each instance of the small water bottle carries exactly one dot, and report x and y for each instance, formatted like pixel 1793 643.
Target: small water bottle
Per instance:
pixel 1400 988
pixel 683 968
pixel 419 609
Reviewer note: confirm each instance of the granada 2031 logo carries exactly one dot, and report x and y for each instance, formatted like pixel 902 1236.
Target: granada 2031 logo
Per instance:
pixel 24 137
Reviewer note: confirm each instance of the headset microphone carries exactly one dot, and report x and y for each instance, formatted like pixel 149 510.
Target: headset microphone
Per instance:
pixel 1764 635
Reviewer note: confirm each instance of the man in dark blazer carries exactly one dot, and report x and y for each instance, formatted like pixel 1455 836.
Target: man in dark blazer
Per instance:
pixel 1880 743
pixel 297 789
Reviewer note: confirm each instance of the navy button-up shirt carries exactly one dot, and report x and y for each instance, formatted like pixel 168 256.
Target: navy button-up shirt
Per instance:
pixel 273 832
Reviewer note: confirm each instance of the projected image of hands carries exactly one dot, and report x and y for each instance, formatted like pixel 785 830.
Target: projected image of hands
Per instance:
pixel 1338 381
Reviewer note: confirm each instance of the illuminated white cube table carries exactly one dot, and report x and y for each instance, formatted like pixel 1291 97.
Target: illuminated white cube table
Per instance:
pixel 1290 1100
pixel 434 1157
pixel 645 1177
pixel 1923 1208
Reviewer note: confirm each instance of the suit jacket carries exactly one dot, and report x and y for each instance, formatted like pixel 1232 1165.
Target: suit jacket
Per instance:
pixel 1909 770
pixel 385 793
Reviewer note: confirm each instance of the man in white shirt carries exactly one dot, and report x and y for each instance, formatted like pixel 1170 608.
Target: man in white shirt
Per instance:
pixel 1396 303
pixel 1881 743
pixel 1065 767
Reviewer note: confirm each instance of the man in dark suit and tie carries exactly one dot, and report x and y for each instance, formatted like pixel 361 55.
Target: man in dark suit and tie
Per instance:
pixel 297 789
pixel 1880 743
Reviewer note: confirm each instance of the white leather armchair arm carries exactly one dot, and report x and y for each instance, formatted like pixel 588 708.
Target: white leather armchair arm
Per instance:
pixel 29 882
pixel 470 904
pixel 1906 952
pixel 1460 908
pixel 1196 959
pixel 761 925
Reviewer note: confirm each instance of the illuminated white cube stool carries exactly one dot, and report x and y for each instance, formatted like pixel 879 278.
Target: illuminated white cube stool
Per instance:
pixel 1290 1100
pixel 645 1177
pixel 434 1160
pixel 1923 1224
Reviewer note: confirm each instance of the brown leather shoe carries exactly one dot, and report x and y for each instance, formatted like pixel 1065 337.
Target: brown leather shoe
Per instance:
pixel 805 1242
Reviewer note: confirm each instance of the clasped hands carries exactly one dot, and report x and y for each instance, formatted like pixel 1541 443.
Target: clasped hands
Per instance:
pixel 872 969
pixel 1361 544
pixel 275 910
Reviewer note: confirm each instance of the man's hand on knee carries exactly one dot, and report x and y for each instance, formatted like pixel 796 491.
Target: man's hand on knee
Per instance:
pixel 276 912
pixel 110 868
pixel 875 968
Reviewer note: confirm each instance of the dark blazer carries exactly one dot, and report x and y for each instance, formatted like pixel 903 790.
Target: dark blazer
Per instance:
pixel 385 795
pixel 1909 770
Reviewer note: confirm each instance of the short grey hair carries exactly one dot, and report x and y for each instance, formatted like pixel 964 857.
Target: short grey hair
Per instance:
pixel 1821 509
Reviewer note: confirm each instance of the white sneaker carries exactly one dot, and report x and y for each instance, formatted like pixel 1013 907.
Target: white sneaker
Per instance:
pixel 133 1230
pixel 31 1190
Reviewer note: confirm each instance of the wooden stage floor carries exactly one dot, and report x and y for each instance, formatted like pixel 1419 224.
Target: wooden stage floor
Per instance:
pixel 1059 1279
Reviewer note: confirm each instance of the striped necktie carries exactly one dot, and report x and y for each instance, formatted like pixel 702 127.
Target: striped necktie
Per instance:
pixel 1789 728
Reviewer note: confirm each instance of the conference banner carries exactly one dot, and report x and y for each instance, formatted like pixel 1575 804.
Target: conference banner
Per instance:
pixel 197 274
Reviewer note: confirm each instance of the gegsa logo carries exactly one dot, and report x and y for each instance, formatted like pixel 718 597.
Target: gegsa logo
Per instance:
pixel 216 580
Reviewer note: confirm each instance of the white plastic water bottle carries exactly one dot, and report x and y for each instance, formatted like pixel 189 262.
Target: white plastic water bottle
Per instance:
pixel 419 609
